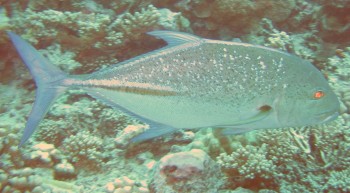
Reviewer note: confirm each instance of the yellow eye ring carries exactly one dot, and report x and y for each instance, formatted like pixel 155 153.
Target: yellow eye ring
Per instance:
pixel 318 94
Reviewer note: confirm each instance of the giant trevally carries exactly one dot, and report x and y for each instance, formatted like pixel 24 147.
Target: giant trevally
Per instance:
pixel 194 83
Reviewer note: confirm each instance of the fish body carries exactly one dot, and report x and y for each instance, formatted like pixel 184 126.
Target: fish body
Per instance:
pixel 195 83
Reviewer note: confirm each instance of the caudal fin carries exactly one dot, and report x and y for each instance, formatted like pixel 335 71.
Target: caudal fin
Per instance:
pixel 48 79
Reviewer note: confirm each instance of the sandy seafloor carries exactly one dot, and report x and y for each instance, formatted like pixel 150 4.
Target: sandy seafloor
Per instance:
pixel 84 146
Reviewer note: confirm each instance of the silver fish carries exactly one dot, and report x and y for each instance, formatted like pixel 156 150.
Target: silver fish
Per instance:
pixel 194 83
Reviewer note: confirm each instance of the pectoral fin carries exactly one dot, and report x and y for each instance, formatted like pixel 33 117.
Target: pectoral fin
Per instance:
pixel 239 127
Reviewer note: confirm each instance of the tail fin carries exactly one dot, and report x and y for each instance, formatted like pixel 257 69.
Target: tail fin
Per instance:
pixel 48 79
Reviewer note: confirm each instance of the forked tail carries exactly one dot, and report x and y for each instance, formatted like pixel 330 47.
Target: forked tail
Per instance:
pixel 48 79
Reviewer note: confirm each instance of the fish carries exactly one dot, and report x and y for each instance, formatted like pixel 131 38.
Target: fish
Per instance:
pixel 191 83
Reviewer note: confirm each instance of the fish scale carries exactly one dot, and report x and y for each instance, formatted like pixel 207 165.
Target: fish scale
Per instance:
pixel 195 83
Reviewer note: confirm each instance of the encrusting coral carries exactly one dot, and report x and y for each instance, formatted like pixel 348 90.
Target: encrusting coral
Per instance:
pixel 191 171
pixel 126 185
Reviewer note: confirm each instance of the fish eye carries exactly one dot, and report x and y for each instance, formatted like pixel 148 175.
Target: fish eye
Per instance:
pixel 318 94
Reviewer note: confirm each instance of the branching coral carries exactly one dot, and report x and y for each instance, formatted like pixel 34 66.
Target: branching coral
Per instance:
pixel 302 44
pixel 338 71
pixel 247 163
pixel 84 149
pixel 340 63
pixel 64 60
pixel 339 181
pixel 279 40
pixel 133 25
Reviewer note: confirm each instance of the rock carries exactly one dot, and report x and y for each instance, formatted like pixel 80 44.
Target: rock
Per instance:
pixel 191 171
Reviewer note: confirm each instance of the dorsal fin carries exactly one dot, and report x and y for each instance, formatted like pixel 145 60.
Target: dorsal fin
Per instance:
pixel 175 38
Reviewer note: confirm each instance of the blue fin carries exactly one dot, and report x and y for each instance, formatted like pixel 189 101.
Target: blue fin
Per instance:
pixel 155 129
pixel 175 38
pixel 47 78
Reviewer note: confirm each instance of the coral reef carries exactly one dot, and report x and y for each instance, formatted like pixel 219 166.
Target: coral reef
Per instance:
pixel 81 140
pixel 21 170
pixel 71 114
pixel 235 15
pixel 277 153
pixel 91 32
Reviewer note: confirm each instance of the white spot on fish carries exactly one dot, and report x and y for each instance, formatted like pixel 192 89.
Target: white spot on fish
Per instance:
pixel 262 65
pixel 231 57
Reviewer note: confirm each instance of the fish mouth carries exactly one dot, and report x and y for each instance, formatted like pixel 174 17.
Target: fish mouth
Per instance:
pixel 327 116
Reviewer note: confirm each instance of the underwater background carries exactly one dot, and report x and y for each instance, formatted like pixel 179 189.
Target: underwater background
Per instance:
pixel 84 146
